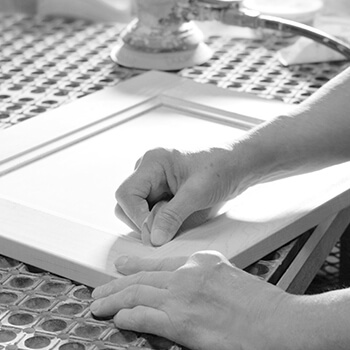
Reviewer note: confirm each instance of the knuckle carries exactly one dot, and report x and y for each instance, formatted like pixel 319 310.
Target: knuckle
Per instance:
pixel 132 295
pixel 122 192
pixel 140 277
pixel 166 156
pixel 155 153
pixel 169 218
pixel 208 258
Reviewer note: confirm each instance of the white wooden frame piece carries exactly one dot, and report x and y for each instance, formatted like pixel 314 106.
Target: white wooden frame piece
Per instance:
pixel 257 222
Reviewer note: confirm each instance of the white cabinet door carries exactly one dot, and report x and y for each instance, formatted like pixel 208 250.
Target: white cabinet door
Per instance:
pixel 59 172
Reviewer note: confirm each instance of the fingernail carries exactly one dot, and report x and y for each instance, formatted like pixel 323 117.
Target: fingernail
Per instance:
pixel 96 292
pixel 121 261
pixel 95 306
pixel 159 237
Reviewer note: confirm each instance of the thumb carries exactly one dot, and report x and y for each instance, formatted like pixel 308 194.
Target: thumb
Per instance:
pixel 162 224
pixel 167 218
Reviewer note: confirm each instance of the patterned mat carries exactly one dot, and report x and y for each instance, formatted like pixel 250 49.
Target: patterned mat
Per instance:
pixel 46 62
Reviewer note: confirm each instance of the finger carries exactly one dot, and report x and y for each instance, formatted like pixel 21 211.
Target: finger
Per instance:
pixel 133 201
pixel 147 224
pixel 128 265
pixel 157 279
pixel 144 320
pixel 135 208
pixel 129 298
pixel 120 214
pixel 171 216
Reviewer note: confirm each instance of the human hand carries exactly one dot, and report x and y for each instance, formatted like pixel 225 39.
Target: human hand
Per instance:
pixel 183 190
pixel 205 302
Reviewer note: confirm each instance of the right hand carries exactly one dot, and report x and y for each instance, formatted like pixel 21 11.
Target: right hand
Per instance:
pixel 186 186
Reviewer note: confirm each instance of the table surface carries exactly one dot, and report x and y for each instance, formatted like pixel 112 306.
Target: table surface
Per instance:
pixel 47 62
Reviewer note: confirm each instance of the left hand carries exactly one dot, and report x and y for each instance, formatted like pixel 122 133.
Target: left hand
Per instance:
pixel 205 302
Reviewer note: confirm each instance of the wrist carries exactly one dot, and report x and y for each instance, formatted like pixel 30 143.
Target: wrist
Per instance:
pixel 235 169
pixel 286 328
pixel 262 155
pixel 274 324
pixel 249 163
pixel 311 322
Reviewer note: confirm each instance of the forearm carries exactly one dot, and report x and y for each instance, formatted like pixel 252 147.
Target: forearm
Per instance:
pixel 309 322
pixel 315 135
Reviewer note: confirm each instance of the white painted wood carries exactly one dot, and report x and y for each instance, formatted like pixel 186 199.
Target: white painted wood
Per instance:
pixel 59 172
pixel 314 252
